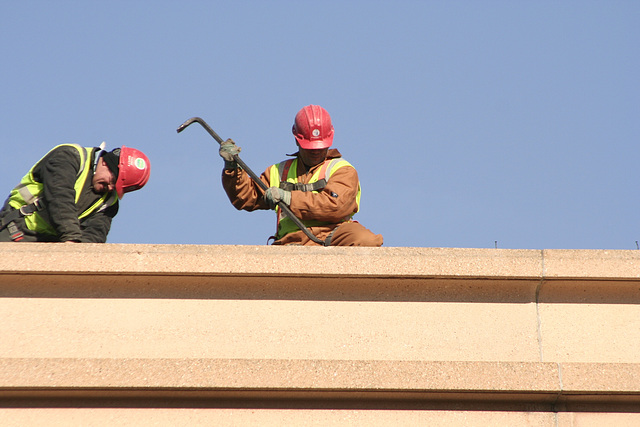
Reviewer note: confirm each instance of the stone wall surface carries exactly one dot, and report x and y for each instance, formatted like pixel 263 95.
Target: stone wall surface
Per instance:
pixel 259 335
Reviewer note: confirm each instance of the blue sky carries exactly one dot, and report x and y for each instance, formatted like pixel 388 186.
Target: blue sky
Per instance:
pixel 469 122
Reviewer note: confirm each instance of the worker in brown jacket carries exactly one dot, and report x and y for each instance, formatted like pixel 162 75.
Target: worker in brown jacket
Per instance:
pixel 319 186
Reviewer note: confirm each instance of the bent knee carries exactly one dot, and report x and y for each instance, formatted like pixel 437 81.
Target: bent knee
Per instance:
pixel 354 234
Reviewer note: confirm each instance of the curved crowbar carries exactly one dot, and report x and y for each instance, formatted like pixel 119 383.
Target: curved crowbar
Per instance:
pixel 283 206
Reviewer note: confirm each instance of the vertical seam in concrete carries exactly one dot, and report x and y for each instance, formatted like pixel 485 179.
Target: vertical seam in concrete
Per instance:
pixel 538 319
pixel 560 391
pixel 560 378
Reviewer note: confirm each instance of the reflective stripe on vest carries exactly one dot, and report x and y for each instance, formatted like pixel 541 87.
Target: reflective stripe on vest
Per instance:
pixel 288 169
pixel 29 190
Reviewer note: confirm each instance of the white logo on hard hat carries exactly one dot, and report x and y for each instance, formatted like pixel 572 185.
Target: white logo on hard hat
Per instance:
pixel 140 163
pixel 315 132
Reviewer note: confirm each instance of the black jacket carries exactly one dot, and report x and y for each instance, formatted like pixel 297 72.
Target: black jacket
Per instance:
pixel 57 171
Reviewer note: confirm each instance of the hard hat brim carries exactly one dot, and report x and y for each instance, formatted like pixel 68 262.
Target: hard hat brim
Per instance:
pixel 316 144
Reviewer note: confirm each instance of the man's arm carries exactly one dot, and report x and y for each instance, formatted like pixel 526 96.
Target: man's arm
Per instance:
pixel 243 192
pixel 96 226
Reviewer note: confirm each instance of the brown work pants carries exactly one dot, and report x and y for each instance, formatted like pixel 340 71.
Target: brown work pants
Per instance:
pixel 346 234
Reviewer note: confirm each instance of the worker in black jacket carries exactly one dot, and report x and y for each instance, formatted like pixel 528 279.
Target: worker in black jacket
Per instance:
pixel 72 194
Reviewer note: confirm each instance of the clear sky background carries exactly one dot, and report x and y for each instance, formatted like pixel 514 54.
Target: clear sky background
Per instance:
pixel 469 122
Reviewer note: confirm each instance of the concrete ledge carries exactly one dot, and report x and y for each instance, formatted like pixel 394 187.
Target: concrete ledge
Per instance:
pixel 389 329
pixel 591 264
pixel 267 260
pixel 288 382
pixel 317 261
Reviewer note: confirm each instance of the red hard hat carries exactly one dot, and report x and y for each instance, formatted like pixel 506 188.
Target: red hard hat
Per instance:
pixel 134 169
pixel 312 128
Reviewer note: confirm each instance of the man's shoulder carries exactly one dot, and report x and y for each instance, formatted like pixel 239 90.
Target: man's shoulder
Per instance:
pixel 333 153
pixel 340 163
pixel 285 161
pixel 71 147
pixel 61 155
pixel 72 150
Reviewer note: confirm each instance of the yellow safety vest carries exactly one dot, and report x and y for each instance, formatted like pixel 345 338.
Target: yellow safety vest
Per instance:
pixel 29 190
pixel 288 169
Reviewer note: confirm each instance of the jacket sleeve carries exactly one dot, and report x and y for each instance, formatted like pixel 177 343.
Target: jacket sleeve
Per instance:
pixel 96 226
pixel 242 191
pixel 57 173
pixel 336 201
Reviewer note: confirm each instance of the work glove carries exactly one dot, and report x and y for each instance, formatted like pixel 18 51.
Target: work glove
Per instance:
pixel 273 195
pixel 227 150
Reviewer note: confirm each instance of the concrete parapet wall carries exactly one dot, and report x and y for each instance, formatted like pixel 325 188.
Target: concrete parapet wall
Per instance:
pixel 412 334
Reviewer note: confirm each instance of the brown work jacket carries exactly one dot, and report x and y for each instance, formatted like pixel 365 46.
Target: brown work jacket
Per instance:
pixel 332 204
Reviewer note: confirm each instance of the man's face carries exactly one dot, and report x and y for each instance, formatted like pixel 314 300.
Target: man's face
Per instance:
pixel 103 179
pixel 313 157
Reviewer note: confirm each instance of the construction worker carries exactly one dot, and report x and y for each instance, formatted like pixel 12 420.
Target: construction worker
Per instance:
pixel 318 185
pixel 71 194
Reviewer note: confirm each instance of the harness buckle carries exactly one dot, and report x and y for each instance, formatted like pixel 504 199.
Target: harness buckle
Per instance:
pixel 38 204
pixel 14 232
pixel 27 210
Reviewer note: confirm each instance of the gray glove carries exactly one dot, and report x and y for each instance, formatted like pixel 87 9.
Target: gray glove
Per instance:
pixel 273 195
pixel 228 149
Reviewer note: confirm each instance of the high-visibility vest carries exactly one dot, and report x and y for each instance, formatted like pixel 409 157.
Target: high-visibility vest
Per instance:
pixel 285 176
pixel 29 190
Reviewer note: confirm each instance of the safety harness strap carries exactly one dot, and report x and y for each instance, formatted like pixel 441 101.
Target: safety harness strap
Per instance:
pixel 10 217
pixel 26 210
pixel 320 183
pixel 315 186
